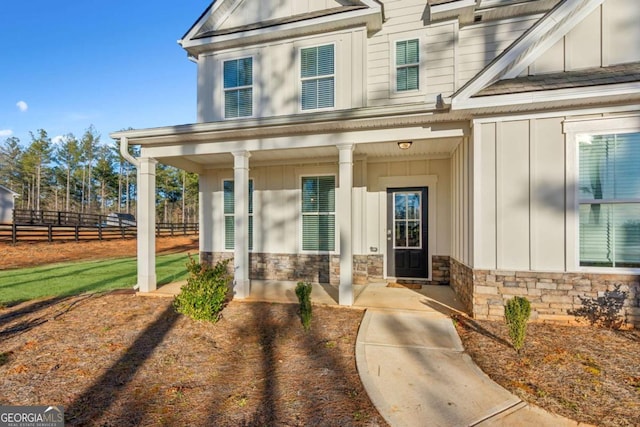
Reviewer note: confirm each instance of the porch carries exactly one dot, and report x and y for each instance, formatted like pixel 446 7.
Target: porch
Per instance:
pixel 372 295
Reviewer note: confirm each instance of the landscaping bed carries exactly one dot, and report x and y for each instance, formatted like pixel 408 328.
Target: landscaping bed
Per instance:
pixel 584 373
pixel 118 359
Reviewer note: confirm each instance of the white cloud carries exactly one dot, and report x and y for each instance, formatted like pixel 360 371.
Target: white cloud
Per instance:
pixel 22 106
pixel 5 133
pixel 58 139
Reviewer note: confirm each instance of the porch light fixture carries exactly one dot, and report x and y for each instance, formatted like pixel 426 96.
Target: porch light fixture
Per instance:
pixel 404 145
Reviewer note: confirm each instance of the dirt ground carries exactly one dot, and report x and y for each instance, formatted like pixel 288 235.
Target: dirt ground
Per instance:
pixel 32 254
pixel 117 359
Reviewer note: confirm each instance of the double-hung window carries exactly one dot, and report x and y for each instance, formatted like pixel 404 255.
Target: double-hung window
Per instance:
pixel 317 72
pixel 609 199
pixel 407 65
pixel 238 88
pixel 318 213
pixel 229 211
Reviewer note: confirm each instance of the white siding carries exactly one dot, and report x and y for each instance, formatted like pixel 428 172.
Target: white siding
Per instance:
pixel 521 192
pixel 461 203
pixel 276 75
pixel 610 35
pixel 479 44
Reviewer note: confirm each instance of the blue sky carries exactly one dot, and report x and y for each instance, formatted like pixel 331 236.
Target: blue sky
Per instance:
pixel 65 65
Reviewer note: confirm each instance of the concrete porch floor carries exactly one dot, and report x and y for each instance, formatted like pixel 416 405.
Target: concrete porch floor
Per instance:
pixel 373 295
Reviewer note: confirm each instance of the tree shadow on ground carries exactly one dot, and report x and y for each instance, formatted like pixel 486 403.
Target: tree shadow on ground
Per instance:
pixel 106 390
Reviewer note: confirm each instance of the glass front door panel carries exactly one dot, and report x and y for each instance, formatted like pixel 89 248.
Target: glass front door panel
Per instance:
pixel 407 220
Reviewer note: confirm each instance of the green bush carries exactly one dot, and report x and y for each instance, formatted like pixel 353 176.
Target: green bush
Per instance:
pixel 303 291
pixel 516 313
pixel 206 292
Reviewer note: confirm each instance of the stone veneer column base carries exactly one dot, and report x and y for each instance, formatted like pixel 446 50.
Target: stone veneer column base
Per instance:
pixel 303 267
pixel 552 295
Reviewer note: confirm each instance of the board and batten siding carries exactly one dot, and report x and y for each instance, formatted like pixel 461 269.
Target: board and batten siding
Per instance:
pixel 276 75
pixel 462 203
pixel 519 190
pixel 610 35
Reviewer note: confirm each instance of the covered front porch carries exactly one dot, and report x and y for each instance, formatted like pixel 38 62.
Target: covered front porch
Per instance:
pixel 253 206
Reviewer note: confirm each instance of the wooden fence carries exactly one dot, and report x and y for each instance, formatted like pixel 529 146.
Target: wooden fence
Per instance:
pixel 46 226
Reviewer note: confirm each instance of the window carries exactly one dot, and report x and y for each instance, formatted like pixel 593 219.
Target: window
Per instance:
pixel 609 199
pixel 318 213
pixel 407 220
pixel 238 88
pixel 317 74
pixel 229 207
pixel 407 65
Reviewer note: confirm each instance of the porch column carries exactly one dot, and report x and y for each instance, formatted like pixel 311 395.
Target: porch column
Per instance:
pixel 242 285
pixel 343 213
pixel 146 224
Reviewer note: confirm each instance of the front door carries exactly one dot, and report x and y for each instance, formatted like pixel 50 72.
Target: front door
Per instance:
pixel 407 232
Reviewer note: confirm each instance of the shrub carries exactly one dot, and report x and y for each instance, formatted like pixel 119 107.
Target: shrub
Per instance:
pixel 604 310
pixel 206 292
pixel 303 291
pixel 516 313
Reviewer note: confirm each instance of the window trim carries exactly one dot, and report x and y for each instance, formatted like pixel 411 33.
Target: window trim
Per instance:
pixel 225 215
pixel 303 79
pixel 396 67
pixel 302 214
pixel 572 128
pixel 225 90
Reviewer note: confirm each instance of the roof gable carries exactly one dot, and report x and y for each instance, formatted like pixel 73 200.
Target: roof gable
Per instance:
pixel 229 23
pixel 530 46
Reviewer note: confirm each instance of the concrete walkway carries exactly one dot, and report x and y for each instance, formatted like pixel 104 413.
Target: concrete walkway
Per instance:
pixel 416 373
pixel 411 360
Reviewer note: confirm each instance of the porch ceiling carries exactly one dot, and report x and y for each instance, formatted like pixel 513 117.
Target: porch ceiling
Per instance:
pixel 420 148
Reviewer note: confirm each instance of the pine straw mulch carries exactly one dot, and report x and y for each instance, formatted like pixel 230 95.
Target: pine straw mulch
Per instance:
pixel 584 373
pixel 120 360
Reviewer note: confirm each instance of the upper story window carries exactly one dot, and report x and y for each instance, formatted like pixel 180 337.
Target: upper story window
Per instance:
pixel 609 199
pixel 407 65
pixel 317 72
pixel 238 88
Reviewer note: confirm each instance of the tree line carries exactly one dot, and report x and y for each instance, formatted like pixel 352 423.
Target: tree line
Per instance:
pixel 86 175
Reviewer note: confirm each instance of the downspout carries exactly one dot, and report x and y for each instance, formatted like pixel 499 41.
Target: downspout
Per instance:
pixel 124 152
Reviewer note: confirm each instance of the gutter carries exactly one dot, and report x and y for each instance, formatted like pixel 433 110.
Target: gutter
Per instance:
pixel 124 152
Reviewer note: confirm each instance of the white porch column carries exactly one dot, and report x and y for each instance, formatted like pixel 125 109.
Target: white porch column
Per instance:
pixel 146 224
pixel 343 213
pixel 242 285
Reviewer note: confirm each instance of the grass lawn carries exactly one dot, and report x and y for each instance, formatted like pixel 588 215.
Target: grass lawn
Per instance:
pixel 77 277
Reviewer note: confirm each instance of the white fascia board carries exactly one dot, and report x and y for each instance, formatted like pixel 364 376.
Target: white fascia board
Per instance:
pixel 13 193
pixel 301 141
pixel 372 18
pixel 531 46
pixel 203 19
pixel 454 5
pixel 547 96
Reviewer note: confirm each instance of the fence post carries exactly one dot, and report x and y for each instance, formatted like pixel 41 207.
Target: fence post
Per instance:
pixel 50 232
pixel 14 233
pixel 77 230
pixel 59 218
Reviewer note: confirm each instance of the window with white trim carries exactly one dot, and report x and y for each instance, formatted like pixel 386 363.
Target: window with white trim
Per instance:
pixel 318 213
pixel 317 74
pixel 238 88
pixel 407 65
pixel 609 199
pixel 229 212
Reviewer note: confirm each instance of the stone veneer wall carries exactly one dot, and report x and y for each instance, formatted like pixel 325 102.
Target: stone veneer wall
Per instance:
pixel 305 267
pixel 552 295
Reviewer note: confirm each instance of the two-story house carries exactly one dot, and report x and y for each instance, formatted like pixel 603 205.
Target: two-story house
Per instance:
pixel 493 145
